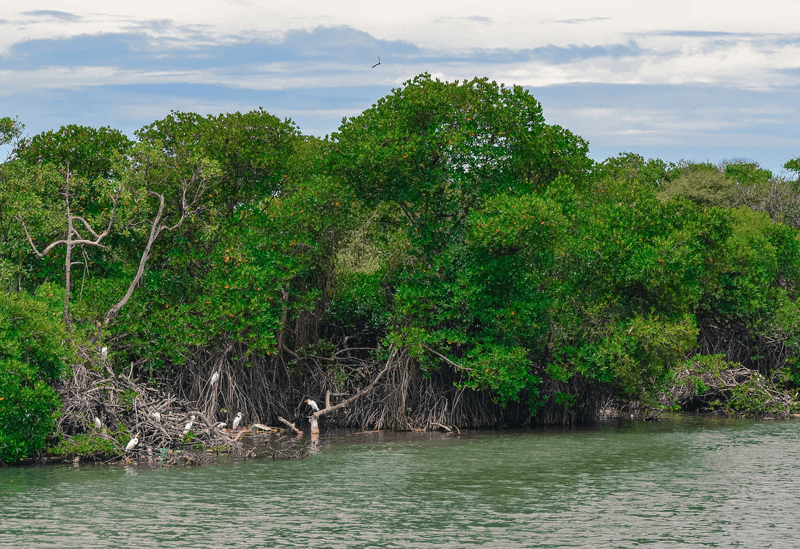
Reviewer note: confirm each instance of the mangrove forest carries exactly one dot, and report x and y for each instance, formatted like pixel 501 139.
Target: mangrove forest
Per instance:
pixel 446 259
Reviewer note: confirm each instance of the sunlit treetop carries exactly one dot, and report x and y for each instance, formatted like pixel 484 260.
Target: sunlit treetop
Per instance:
pixel 439 149
pixel 87 152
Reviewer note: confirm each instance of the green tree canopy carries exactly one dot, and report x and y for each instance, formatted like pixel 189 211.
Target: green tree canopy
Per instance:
pixel 89 152
pixel 32 356
pixel 437 150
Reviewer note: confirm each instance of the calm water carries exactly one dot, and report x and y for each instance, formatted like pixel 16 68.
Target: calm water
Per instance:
pixel 685 482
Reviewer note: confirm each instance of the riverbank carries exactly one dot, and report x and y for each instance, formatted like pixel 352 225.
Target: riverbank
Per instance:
pixel 683 481
pixel 102 412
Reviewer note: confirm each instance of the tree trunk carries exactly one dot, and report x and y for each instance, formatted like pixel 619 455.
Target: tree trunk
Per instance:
pixel 68 263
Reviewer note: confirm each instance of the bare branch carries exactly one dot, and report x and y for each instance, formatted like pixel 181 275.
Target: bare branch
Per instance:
pixel 100 236
pixel 30 240
pixel 328 396
pixel 155 229
pixel 450 362
pixel 328 409
pixel 79 242
pixel 187 208
pixel 290 425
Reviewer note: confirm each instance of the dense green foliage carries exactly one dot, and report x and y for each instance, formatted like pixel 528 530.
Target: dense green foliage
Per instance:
pixel 462 167
pixel 32 355
pixel 449 220
pixel 86 151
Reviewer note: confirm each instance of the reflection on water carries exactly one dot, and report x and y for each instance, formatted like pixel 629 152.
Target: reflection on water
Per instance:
pixel 682 482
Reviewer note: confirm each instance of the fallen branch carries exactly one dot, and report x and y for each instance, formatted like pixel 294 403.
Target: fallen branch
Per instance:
pixel 291 426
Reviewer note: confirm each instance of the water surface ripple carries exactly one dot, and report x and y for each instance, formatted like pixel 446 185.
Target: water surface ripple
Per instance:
pixel 684 482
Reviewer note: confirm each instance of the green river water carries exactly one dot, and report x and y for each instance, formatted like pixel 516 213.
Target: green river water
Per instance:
pixel 682 482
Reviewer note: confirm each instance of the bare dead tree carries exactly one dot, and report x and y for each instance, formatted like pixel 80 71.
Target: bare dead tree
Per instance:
pixel 192 189
pixel 73 238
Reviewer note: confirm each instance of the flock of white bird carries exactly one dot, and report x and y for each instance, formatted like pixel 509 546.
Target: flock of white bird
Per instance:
pixel 188 427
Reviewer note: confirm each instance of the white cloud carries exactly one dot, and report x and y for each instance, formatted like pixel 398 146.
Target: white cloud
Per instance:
pixel 681 40
pixel 500 24
pixel 188 51
pixel 748 63
pixel 674 126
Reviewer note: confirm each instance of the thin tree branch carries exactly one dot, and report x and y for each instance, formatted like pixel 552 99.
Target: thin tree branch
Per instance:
pixel 359 394
pixel 450 362
pixel 290 425
pixel 155 230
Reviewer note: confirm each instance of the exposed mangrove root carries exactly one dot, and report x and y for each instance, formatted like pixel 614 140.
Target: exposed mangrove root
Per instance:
pixel 739 344
pixel 392 394
pixel 578 401
pixel 330 408
pixel 733 390
pixel 128 408
pixel 253 385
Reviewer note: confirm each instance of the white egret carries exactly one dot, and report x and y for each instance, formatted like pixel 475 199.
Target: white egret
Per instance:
pixel 221 424
pixel 132 442
pixel 104 353
pixel 236 420
pixel 97 423
pixel 214 378
pixel 313 405
pixel 157 416
pixel 188 426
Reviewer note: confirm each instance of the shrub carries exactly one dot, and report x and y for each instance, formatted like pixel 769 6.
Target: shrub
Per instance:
pixel 33 352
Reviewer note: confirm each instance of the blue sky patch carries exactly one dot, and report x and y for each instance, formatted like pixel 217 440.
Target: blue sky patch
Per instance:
pixel 630 92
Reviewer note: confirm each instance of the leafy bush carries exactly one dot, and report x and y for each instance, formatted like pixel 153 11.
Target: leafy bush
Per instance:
pixel 705 186
pixel 33 351
pixel 87 444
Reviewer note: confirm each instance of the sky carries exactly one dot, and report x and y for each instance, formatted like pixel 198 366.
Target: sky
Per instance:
pixel 702 81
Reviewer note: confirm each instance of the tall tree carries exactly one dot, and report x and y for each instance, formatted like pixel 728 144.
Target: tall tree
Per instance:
pixel 437 150
pixel 465 165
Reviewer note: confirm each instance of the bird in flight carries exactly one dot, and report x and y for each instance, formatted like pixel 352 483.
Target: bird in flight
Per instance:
pixel 378 63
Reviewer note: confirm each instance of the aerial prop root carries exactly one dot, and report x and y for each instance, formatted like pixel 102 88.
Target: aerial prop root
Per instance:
pixel 125 405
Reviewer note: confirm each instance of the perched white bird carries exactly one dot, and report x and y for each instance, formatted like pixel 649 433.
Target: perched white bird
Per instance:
pixel 157 416
pixel 131 443
pixel 236 420
pixel 221 424
pixel 313 405
pixel 214 378
pixel 97 423
pixel 188 426
pixel 104 353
